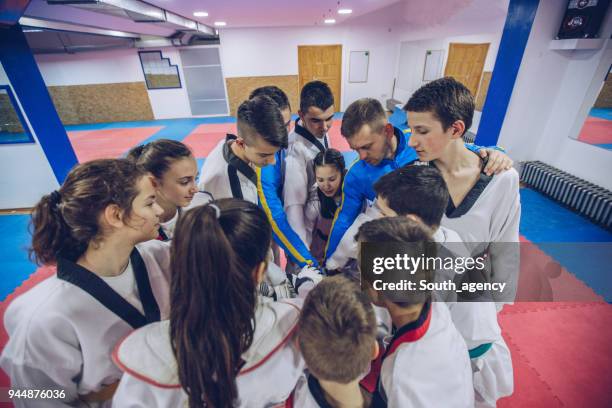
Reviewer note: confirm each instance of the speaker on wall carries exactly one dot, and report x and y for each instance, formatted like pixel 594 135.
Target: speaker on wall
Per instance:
pixel 583 19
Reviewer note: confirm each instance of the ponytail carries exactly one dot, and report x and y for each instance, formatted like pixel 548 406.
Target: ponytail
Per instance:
pixel 215 249
pixel 66 221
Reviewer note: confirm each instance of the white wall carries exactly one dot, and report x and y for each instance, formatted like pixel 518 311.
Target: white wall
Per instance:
pixel 412 59
pixel 547 104
pixel 23 165
pixel 273 51
pixel 115 66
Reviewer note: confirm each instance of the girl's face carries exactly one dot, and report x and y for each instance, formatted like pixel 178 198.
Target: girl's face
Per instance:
pixel 328 179
pixel 144 218
pixel 178 185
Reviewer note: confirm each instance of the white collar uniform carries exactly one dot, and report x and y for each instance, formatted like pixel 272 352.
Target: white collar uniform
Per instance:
pixel 308 394
pixel 61 336
pixel 166 229
pixel 302 148
pixel 490 356
pixel 348 248
pixel 225 175
pixel 273 364
pixel 488 220
pixel 426 364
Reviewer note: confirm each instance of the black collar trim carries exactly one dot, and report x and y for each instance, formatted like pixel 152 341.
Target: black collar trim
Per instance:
pixel 472 196
pixel 94 285
pixel 302 131
pixel 235 161
pixel 317 392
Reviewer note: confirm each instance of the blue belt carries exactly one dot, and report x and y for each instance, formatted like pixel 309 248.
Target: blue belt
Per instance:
pixel 480 350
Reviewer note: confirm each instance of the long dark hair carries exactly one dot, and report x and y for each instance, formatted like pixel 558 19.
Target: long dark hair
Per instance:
pixel 329 157
pixel 67 220
pixel 157 157
pixel 215 249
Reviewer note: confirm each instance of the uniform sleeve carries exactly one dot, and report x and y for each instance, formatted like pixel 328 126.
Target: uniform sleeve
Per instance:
pixel 267 189
pixel 504 248
pixel 392 386
pixel 348 248
pixel 295 191
pixel 311 214
pixel 350 206
pixel 49 360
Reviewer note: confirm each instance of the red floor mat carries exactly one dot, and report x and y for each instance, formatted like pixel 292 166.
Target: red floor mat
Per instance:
pixel 336 140
pixel 596 131
pixel 568 347
pixel 205 137
pixel 107 143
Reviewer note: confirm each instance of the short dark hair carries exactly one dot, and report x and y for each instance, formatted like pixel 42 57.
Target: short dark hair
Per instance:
pixel 361 112
pixel 415 189
pixel 316 93
pixel 275 93
pixel 337 330
pixel 404 230
pixel 448 99
pixel 261 114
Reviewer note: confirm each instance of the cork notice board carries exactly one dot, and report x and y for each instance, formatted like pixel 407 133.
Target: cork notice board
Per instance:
pixel 239 88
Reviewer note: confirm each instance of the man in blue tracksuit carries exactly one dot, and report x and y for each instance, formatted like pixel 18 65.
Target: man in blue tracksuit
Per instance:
pixel 382 148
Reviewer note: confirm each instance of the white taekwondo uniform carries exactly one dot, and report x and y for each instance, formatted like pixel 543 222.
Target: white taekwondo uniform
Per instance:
pixel 61 336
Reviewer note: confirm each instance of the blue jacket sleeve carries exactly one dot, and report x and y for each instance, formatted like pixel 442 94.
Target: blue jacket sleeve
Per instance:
pixel 476 148
pixel 350 207
pixel 269 181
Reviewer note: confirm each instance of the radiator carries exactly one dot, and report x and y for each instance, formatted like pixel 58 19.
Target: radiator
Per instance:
pixel 587 199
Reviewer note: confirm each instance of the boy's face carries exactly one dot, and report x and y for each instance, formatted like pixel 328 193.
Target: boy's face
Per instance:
pixel 317 121
pixel 257 151
pixel 429 138
pixel 372 146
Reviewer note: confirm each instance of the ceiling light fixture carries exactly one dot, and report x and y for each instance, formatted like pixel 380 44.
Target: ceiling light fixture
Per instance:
pixel 200 14
pixel 329 21
pixel 345 11
pixel 220 23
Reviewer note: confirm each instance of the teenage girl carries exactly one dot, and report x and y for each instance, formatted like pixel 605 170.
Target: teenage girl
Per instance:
pixel 61 332
pixel 175 172
pixel 323 200
pixel 222 347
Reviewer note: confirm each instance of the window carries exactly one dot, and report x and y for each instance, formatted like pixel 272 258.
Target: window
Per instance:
pixel 158 72
pixel 13 127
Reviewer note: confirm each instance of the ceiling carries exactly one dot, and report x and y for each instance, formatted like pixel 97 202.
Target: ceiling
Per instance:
pixel 272 13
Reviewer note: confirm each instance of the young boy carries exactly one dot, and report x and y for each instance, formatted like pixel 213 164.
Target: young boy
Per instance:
pixel 229 170
pixel 307 139
pixel 337 338
pixel 426 362
pixel 484 209
pixel 476 321
pixel 270 185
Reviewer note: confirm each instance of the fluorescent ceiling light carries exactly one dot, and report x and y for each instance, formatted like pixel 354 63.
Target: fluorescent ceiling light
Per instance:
pixel 345 11
pixel 220 23
pixel 200 14
pixel 330 21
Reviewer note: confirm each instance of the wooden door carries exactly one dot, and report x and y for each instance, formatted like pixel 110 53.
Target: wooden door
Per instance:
pixel 322 63
pixel 465 63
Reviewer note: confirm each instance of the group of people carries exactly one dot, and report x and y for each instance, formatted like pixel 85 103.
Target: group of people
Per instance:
pixel 169 290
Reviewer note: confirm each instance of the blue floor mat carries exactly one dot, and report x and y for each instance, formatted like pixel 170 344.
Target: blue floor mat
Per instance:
pixel 586 250
pixel 14 240
pixel 601 113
